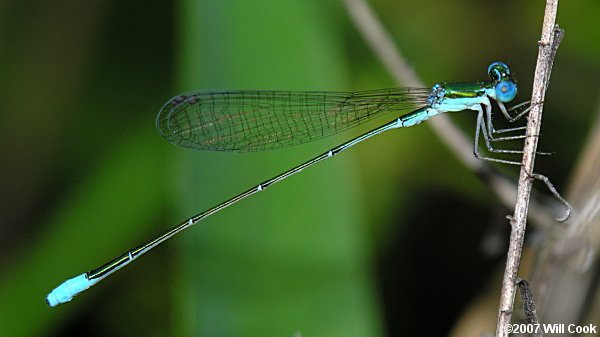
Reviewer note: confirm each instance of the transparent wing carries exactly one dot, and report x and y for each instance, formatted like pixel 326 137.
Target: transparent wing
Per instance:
pixel 265 120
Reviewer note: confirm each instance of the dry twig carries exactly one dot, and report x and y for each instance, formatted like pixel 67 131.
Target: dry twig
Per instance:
pixel 547 50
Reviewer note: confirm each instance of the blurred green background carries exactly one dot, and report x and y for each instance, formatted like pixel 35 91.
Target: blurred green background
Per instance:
pixel 384 240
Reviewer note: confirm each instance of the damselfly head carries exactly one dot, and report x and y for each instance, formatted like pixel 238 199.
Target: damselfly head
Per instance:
pixel 504 83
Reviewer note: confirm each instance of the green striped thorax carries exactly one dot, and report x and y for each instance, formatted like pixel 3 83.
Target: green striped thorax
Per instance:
pixel 502 87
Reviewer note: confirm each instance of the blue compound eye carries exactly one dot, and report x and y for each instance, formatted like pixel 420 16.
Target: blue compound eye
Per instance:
pixel 505 91
pixel 498 70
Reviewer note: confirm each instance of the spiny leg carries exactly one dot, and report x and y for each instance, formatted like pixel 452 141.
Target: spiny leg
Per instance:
pixel 481 126
pixel 487 139
pixel 490 128
pixel 552 189
pixel 490 125
pixel 485 130
pixel 515 108
pixel 506 112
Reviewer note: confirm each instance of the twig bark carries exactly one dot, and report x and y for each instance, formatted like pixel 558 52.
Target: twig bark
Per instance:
pixel 547 50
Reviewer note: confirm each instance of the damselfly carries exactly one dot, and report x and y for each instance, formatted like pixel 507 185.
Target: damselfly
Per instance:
pixel 264 120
